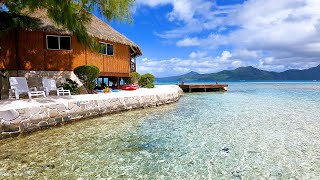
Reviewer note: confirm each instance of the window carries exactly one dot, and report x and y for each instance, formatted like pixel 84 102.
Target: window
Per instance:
pixel 58 42
pixel 106 49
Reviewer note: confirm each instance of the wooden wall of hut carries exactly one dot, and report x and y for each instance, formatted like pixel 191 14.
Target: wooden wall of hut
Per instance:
pixel 33 55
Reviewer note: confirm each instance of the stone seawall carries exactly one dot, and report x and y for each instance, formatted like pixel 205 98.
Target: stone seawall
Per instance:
pixel 22 116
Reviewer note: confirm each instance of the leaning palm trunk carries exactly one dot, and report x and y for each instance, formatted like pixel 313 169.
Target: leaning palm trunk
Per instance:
pixel 4 84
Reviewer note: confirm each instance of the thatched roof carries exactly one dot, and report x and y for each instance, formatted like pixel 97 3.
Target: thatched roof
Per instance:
pixel 96 28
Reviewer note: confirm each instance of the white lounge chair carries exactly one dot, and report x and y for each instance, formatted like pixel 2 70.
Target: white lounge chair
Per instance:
pixel 18 85
pixel 50 85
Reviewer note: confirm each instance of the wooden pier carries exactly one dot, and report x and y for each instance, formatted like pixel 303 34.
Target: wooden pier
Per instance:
pixel 203 87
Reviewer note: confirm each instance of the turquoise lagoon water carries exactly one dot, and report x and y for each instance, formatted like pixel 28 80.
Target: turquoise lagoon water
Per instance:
pixel 257 130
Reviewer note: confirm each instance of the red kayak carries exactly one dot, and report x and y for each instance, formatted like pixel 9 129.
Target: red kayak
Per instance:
pixel 129 87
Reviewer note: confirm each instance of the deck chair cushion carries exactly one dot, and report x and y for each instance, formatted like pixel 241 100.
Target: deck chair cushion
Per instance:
pixel 19 84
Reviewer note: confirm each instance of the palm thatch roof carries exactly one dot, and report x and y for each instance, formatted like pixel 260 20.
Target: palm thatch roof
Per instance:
pixel 95 27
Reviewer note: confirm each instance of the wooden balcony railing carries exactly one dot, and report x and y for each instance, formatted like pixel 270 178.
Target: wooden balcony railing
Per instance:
pixel 133 67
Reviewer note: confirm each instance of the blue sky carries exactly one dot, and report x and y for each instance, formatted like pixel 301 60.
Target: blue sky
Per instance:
pixel 179 36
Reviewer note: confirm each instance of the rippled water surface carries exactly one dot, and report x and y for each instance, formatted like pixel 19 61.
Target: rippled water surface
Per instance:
pixel 254 131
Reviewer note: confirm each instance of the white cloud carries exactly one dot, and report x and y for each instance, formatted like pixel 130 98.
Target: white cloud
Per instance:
pixel 272 35
pixel 153 3
pixel 198 54
pixel 183 10
pixel 211 42
pixel 245 54
pixel 189 42
pixel 236 63
pixel 176 66
pixel 225 55
pixel 190 12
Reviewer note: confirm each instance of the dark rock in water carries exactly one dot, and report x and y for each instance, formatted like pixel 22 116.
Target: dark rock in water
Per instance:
pixel 225 149
pixel 49 166
pixel 237 174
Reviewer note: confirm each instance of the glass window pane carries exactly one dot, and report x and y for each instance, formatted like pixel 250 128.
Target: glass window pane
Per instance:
pixel 65 43
pixel 53 42
pixel 103 48
pixel 109 49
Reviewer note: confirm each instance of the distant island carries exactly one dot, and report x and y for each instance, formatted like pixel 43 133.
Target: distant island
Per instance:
pixel 249 73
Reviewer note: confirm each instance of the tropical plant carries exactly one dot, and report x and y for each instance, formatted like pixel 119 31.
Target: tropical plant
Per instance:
pixel 133 79
pixel 71 14
pixel 4 73
pixel 72 86
pixel 107 90
pixel 149 85
pixel 88 75
pixel 103 85
pixel 147 80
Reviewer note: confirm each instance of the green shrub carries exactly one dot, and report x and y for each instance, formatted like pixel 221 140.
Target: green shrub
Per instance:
pixel 150 85
pixel 72 86
pixel 147 80
pixel 88 75
pixel 133 79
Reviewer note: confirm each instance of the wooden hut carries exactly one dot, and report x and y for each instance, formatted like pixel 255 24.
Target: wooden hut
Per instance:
pixel 52 51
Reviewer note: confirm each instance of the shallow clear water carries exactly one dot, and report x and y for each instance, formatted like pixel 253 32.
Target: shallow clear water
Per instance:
pixel 254 131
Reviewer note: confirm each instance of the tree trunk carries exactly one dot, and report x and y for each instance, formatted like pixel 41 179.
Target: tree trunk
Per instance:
pixel 1 88
pixel 4 88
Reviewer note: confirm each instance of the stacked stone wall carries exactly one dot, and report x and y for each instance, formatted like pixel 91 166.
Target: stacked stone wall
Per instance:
pixel 16 121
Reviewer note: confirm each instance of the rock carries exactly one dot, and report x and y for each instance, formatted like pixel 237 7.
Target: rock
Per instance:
pixel 41 110
pixel 66 118
pixel 225 149
pixel 53 113
pixel 61 108
pixel 74 109
pixel 5 135
pixel 11 128
pixel 35 119
pixel 45 115
pixel 25 113
pixel 71 105
pixel 82 106
pixel 16 121
pixel 34 110
pixel 53 106
pixel 49 166
pixel 43 124
pixel 9 115
pixel 58 120
pixel 30 128
pixel 21 111
pixel 51 122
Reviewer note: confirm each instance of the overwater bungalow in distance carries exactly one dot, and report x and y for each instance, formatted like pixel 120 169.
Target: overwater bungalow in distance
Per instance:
pixel 52 51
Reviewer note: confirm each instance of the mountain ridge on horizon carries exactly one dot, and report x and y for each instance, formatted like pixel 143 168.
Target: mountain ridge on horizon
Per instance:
pixel 249 73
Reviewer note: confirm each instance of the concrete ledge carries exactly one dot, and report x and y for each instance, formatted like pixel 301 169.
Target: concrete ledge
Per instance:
pixel 19 116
